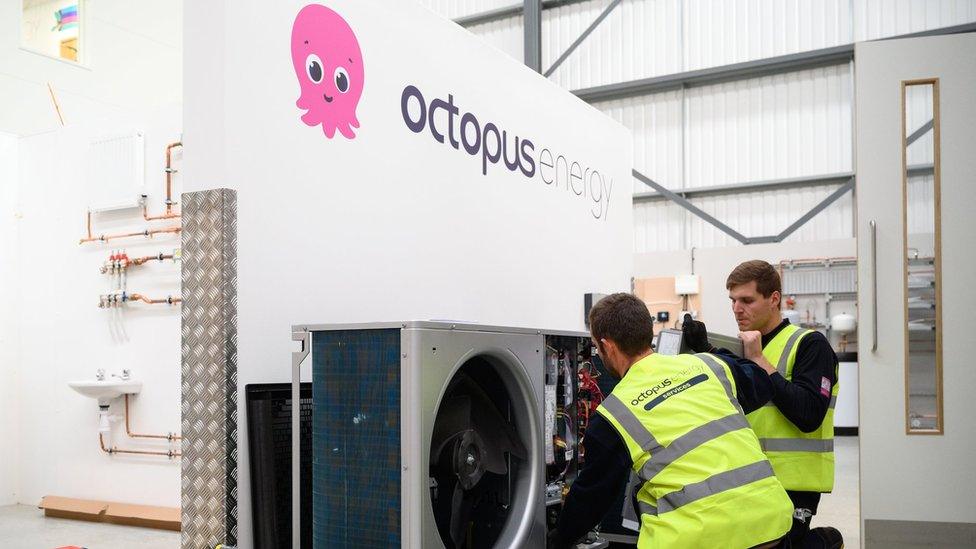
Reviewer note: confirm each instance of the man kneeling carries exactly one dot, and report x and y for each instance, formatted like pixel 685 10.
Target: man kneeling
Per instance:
pixel 678 423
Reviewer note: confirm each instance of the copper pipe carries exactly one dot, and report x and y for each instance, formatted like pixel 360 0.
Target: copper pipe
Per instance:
pixel 167 215
pixel 170 214
pixel 144 259
pixel 170 436
pixel 113 450
pixel 139 297
pixel 169 175
pixel 147 233
pixel 57 107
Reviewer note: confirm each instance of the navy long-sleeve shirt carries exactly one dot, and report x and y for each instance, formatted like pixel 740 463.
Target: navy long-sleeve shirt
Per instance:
pixel 607 468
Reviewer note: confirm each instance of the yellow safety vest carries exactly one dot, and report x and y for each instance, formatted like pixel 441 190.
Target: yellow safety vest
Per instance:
pixel 803 462
pixel 704 481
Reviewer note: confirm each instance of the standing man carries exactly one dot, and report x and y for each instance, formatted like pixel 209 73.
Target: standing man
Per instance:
pixel 796 429
pixel 678 423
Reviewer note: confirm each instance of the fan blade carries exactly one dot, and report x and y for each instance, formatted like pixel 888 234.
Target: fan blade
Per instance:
pixel 453 418
pixel 499 435
pixel 461 504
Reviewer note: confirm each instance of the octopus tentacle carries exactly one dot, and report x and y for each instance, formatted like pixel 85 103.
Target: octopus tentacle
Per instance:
pixel 347 131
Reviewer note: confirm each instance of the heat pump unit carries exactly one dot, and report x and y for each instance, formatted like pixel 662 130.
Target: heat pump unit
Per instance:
pixel 440 435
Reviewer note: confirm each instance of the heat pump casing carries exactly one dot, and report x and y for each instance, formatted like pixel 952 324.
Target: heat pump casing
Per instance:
pixel 376 390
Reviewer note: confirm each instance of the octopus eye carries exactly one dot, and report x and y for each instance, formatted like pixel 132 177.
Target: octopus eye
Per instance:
pixel 313 67
pixel 341 80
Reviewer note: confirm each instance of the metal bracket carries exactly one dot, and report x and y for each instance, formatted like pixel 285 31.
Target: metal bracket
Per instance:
pixel 686 204
pixel 297 357
pixel 532 34
pixel 507 12
pixel 922 130
pixel 572 47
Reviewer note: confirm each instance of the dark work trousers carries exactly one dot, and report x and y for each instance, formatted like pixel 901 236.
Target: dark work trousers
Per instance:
pixel 804 503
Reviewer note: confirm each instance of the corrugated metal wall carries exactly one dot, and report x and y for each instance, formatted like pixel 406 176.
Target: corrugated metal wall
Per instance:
pixel 506 34
pixel 643 38
pixel 459 8
pixel 721 32
pixel 783 126
pixel 776 127
pixel 640 38
pixel 881 18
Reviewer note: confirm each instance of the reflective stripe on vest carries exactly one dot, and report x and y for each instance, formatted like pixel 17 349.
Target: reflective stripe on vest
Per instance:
pixel 784 358
pixel 802 461
pixel 691 440
pixel 631 424
pixel 714 484
pixel 687 446
pixel 719 372
pixel 797 444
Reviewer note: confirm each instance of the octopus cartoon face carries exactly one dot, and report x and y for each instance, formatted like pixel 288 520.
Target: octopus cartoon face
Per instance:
pixel 329 66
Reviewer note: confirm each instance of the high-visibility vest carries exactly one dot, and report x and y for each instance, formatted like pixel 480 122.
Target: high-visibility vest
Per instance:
pixel 803 462
pixel 703 479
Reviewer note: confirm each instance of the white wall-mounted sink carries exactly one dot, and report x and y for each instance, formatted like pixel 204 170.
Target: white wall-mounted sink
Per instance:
pixel 106 390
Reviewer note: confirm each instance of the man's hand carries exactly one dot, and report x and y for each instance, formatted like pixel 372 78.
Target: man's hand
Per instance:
pixel 695 334
pixel 752 348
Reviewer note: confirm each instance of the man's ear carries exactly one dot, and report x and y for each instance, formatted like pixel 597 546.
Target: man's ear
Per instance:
pixel 776 297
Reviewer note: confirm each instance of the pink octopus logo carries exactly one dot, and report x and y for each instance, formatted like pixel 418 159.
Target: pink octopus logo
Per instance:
pixel 329 66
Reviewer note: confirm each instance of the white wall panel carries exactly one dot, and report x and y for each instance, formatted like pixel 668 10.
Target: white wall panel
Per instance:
pixel 881 18
pixel 639 39
pixel 133 63
pixel 60 452
pixel 721 32
pixel 453 9
pixel 768 213
pixel 504 34
pixel 780 126
pixel 10 305
pixel 659 226
pixel 664 226
pixel 655 122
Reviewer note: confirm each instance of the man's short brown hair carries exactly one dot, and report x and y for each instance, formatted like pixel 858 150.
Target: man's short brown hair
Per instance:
pixel 623 318
pixel 765 275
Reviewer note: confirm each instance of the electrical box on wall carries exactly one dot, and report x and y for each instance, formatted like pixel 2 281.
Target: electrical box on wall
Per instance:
pixel 664 300
pixel 686 284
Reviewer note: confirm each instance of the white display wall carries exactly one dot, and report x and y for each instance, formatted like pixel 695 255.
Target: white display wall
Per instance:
pixel 382 221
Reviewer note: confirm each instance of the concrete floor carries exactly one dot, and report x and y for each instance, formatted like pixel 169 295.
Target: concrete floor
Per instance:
pixel 25 527
pixel 841 509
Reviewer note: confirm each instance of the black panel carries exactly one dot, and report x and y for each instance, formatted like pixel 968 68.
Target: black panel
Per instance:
pixel 269 444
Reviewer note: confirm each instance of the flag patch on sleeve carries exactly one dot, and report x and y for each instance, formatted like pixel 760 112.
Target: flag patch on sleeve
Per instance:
pixel 825 386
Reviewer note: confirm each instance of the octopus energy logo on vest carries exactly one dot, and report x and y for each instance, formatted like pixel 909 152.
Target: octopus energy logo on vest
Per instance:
pixel 494 146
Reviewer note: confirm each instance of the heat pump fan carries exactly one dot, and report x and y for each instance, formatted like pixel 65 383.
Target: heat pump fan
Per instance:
pixel 431 435
pixel 473 450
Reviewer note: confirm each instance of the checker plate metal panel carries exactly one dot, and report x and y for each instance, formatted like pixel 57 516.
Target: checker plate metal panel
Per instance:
pixel 209 369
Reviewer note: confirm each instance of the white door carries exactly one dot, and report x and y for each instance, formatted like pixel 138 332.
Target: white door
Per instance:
pixel 917 424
